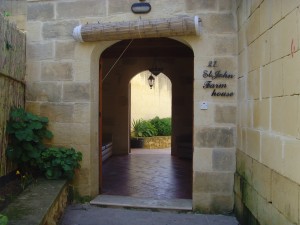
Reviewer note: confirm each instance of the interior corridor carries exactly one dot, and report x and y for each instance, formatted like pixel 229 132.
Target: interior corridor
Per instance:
pixel 149 174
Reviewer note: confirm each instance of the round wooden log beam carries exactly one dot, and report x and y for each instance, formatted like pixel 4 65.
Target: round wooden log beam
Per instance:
pixel 167 27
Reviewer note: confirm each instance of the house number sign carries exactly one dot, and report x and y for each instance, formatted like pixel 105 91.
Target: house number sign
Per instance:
pixel 219 88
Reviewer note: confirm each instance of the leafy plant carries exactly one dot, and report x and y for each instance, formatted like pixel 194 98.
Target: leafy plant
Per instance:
pixel 3 220
pixel 26 148
pixel 60 162
pixel 26 134
pixel 163 126
pixel 143 128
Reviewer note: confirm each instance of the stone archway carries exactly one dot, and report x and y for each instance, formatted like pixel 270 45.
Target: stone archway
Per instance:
pixel 177 60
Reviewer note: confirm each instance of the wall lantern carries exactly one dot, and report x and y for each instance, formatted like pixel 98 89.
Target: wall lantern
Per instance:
pixel 154 70
pixel 151 81
pixel 141 7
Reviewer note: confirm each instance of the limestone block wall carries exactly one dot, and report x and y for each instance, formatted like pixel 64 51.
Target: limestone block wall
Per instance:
pixel 63 84
pixel 267 179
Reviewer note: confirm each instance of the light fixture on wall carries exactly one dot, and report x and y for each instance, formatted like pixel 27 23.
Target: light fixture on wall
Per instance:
pixel 141 7
pixel 154 70
pixel 151 81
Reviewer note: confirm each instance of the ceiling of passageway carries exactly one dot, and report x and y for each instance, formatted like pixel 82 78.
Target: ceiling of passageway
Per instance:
pixel 152 47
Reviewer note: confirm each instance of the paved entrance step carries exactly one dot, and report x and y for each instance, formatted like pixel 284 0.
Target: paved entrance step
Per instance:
pixel 143 203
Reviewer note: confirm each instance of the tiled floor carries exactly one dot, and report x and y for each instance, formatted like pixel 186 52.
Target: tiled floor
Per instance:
pixel 149 174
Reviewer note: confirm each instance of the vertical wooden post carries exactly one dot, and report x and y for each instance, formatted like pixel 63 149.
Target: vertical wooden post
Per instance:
pixel 100 125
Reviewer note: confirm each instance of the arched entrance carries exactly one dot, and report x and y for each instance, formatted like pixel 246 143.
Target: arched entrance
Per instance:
pixel 177 60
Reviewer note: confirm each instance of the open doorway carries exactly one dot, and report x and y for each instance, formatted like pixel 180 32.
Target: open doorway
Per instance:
pixel 150 111
pixel 178 64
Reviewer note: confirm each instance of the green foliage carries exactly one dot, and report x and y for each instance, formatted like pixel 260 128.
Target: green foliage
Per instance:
pixel 26 148
pixel 3 220
pixel 143 128
pixel 26 134
pixel 163 126
pixel 60 162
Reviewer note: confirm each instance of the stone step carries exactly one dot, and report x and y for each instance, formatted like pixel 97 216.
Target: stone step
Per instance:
pixel 143 203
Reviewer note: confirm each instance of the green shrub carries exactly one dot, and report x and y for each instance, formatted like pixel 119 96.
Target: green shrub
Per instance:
pixel 26 148
pixel 3 220
pixel 26 134
pixel 143 128
pixel 60 162
pixel 163 126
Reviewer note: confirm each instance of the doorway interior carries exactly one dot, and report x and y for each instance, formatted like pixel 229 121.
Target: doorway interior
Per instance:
pixel 177 60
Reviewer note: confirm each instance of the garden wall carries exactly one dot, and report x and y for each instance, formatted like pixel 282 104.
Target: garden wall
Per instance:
pixel 12 75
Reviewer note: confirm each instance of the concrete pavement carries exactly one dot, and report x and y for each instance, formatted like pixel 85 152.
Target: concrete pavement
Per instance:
pixel 85 214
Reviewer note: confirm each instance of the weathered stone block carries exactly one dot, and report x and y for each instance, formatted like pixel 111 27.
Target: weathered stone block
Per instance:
pixel 40 51
pixel 225 5
pixel 291 80
pixel 77 92
pixel 253 143
pixel 202 202
pixel 46 91
pixel 33 71
pixel 253 80
pixel 201 5
pixel 57 112
pixel 249 197
pixel 286 203
pixel 202 159
pixel 261 114
pixel 244 166
pixel 277 114
pixel 76 9
pixel 223 160
pixel 82 113
pixel 271 152
pixel 226 45
pixel 225 114
pixel 266 81
pixel 218 23
pixel 254 55
pixel 40 11
pixel 222 203
pixel 34 31
pixel 56 71
pixel 291 165
pixel 214 137
pixel 211 182
pixel 290 112
pixel 262 180
pixel 276 73
pixel 59 30
pixel 252 31
pixel 64 49
pixel 283 32
pixel 115 6
pixel 70 133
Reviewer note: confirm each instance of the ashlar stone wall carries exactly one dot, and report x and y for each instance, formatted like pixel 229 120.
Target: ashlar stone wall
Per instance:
pixel 63 84
pixel 267 179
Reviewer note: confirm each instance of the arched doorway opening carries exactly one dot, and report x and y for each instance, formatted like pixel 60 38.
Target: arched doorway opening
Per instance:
pixel 150 111
pixel 177 60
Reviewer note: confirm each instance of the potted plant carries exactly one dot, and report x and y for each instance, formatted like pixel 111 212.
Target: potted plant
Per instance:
pixel 141 128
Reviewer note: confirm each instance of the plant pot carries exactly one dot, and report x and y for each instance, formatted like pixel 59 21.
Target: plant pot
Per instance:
pixel 137 143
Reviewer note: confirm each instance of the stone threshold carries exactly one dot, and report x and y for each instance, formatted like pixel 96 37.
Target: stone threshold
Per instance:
pixel 143 203
pixel 40 203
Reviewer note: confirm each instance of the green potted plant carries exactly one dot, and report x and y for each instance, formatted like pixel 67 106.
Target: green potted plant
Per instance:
pixel 140 129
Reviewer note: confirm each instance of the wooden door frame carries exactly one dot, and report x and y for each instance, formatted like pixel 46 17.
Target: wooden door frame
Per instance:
pixel 100 124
